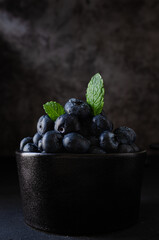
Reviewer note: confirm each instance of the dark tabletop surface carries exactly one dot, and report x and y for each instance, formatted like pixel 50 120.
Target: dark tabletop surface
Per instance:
pixel 12 226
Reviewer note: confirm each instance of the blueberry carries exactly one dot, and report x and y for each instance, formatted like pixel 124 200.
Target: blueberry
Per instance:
pixel 67 123
pixel 36 138
pixel 103 113
pixel 94 140
pixel 24 141
pixel 52 142
pixel 96 150
pixel 30 147
pixel 78 107
pixel 76 143
pixel 136 148
pixel 125 148
pixel 125 135
pixel 85 128
pixel 44 124
pixel 40 145
pixel 108 142
pixel 100 124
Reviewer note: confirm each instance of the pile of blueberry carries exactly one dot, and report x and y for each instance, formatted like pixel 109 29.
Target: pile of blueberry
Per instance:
pixel 78 131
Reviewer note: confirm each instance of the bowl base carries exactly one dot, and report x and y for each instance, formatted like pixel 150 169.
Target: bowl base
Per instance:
pixel 81 232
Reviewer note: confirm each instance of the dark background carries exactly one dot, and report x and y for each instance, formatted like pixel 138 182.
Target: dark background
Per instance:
pixel 50 50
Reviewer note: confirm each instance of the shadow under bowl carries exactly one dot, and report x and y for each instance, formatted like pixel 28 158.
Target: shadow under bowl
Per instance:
pixel 80 193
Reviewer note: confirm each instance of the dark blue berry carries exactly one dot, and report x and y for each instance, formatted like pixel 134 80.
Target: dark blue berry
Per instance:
pixel 30 147
pixel 108 142
pixel 136 148
pixel 44 124
pixel 100 124
pixel 52 142
pixel 78 107
pixel 103 113
pixel 96 150
pixel 40 145
pixel 67 123
pixel 125 148
pixel 85 128
pixel 125 135
pixel 36 138
pixel 94 140
pixel 76 143
pixel 24 141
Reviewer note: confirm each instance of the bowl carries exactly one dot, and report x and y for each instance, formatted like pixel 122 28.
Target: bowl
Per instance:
pixel 80 193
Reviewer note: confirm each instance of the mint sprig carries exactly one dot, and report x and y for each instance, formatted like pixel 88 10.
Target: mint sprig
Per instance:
pixel 95 94
pixel 53 110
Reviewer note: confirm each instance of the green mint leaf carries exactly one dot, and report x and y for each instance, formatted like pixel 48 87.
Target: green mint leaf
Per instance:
pixel 95 94
pixel 53 110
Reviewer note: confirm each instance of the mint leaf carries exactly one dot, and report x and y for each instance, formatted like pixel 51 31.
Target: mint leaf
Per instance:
pixel 53 110
pixel 95 94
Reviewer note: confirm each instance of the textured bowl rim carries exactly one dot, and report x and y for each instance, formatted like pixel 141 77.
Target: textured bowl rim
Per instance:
pixel 77 155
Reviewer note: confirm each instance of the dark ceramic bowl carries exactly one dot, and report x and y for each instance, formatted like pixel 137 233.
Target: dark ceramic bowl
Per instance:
pixel 80 193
